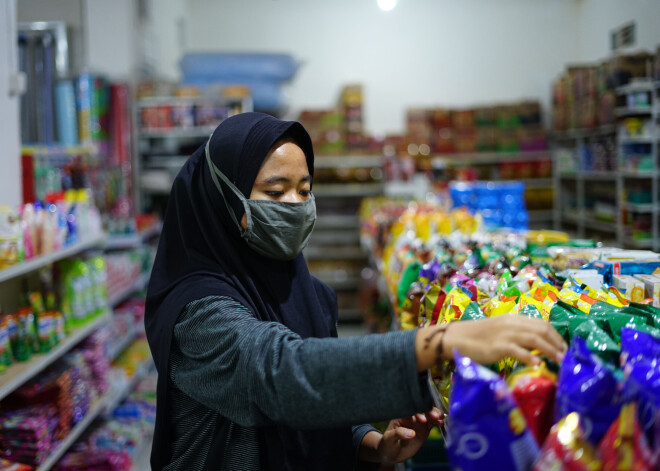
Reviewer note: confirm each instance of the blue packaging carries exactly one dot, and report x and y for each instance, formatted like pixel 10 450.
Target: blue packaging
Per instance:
pixel 487 430
pixel 588 386
pixel 65 107
pixel 626 267
pixel 640 354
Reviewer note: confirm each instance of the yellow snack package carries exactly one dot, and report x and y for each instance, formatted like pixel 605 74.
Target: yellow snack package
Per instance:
pixel 497 307
pixel 454 305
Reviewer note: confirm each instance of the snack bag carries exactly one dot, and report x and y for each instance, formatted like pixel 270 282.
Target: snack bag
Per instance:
pixel 566 449
pixel 488 430
pixel 624 447
pixel 641 366
pixel 433 300
pixel 472 312
pixel 534 389
pixel 410 275
pixel 598 341
pixel 589 387
pixel 454 305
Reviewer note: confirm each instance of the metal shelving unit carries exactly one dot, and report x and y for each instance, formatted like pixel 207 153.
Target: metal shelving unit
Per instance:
pixel 621 178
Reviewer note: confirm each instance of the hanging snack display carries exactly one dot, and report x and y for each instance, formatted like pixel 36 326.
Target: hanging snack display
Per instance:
pixel 439 266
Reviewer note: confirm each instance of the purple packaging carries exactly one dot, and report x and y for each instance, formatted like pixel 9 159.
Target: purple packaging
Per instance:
pixel 487 429
pixel 588 386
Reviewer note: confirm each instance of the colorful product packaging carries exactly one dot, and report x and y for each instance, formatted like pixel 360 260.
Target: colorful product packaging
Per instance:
pixel 488 430
pixel 624 447
pixel 651 288
pixel 589 387
pixel 566 449
pixel 631 286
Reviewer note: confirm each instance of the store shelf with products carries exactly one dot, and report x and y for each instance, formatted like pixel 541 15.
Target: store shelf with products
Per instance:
pixel 119 242
pixel 169 129
pixel 18 373
pixel 624 155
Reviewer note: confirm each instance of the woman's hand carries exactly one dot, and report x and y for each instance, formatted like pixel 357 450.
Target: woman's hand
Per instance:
pixel 402 438
pixel 489 340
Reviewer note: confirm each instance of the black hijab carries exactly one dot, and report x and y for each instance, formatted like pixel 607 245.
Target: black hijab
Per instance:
pixel 201 253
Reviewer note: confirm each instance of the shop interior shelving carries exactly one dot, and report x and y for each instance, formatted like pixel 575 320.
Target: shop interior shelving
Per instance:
pixel 601 203
pixel 162 151
pixel 18 373
pixel 334 253
pixel 540 215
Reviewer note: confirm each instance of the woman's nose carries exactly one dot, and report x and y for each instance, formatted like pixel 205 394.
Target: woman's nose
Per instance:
pixel 292 197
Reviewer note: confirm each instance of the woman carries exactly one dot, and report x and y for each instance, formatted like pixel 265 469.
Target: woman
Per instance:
pixel 251 375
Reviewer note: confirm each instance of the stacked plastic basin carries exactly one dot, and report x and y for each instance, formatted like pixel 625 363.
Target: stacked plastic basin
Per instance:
pixel 501 204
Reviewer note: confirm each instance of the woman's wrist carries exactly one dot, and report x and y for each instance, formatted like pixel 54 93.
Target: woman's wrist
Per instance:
pixel 433 345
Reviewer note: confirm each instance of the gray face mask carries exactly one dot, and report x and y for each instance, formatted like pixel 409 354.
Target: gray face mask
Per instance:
pixel 275 229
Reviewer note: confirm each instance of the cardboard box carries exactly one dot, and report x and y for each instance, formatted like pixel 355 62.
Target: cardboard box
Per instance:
pixel 630 286
pixel 651 288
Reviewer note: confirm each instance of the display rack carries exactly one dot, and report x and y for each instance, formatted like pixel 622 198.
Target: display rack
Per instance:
pixel 128 241
pixel 36 263
pixel 577 187
pixel 334 253
pixel 162 149
pixel 19 373
pixel 113 400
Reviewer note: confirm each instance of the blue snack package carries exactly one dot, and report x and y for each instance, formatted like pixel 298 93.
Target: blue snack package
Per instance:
pixel 640 354
pixel 589 387
pixel 487 429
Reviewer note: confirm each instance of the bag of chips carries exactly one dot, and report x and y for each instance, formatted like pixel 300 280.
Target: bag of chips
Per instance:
pixel 589 387
pixel 488 430
pixel 624 447
pixel 566 449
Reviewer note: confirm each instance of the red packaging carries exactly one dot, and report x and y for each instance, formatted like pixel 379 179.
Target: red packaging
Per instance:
pixel 624 446
pixel 566 449
pixel 535 397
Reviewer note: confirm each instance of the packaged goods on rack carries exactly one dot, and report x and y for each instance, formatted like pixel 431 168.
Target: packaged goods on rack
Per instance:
pixel 436 276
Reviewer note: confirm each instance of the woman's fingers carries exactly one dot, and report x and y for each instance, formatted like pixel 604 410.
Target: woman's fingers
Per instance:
pixel 403 433
pixel 533 341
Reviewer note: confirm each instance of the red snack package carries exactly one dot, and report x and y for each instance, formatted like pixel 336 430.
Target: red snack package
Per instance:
pixel 624 446
pixel 566 449
pixel 534 389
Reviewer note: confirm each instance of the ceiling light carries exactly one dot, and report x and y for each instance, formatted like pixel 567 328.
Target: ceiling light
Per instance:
pixel 386 5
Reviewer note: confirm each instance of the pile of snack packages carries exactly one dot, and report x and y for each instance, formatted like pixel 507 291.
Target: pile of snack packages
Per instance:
pixel 597 410
pixel 44 318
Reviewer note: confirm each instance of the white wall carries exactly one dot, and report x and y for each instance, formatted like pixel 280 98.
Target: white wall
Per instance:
pixel 423 53
pixel 10 173
pixel 597 18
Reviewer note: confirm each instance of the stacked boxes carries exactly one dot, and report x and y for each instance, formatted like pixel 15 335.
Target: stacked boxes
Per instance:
pixel 506 128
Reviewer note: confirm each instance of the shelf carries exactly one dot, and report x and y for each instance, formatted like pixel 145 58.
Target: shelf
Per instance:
pixel 537 182
pixel 147 102
pixel 592 223
pixel 132 240
pixel 640 208
pixel 35 263
pixel 201 132
pixel 640 244
pixel 636 140
pixel 334 253
pixel 122 346
pixel 18 373
pixel 573 219
pixel 348 189
pixel 633 111
pixel 635 86
pixel 634 174
pixel 539 215
pixel 337 221
pixel 94 411
pixel 57 150
pixel 442 161
pixel 115 399
pixel 586 132
pixel 137 285
pixel 348 161
pixel 350 314
pixel 595 175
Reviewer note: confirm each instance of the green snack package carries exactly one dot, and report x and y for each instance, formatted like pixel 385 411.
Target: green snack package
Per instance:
pixel 648 329
pixel 511 292
pixel 617 318
pixel 5 345
pixel 410 275
pixel 562 311
pixel 652 312
pixel 598 341
pixel 531 311
pixel 564 329
pixel 97 266
pixel 603 308
pixel 472 312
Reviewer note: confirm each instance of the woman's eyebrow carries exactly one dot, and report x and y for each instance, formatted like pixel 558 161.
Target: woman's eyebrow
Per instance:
pixel 277 179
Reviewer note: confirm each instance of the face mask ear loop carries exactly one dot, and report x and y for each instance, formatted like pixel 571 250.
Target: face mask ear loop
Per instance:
pixel 214 175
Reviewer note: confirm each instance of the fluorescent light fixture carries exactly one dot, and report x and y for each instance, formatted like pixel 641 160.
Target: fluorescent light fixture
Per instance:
pixel 386 5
